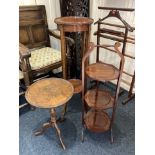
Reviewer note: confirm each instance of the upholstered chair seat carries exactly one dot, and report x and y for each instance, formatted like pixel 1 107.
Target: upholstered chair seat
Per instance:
pixel 44 57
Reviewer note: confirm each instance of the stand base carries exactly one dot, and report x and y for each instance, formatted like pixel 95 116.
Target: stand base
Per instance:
pixel 51 123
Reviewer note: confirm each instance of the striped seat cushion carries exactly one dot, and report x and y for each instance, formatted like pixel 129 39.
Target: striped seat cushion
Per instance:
pixel 43 57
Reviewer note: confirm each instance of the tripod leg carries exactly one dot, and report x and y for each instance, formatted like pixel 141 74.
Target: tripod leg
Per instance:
pixel 53 121
pixel 59 134
pixel 42 130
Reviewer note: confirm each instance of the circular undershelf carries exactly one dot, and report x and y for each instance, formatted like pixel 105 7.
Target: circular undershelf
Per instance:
pixel 77 84
pixel 102 72
pixel 104 100
pixel 97 121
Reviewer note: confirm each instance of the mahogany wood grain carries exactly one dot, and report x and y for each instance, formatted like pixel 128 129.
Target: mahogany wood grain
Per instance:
pixel 102 72
pixel 77 84
pixel 116 38
pixel 104 99
pixel 73 20
pixel 115 13
pixel 49 93
pixel 72 24
pixel 101 122
pixel 114 25
pixel 114 8
pixel 95 118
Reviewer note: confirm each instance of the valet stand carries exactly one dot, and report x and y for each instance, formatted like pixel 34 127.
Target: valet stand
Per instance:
pixel 115 35
pixel 73 24
pixel 96 101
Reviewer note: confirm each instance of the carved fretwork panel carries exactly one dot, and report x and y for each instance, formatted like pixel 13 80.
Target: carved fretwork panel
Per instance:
pixel 74 8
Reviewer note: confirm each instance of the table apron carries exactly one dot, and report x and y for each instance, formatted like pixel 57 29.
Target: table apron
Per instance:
pixel 74 28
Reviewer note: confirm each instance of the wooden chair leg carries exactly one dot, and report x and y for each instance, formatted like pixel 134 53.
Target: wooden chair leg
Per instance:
pixel 128 99
pixel 62 118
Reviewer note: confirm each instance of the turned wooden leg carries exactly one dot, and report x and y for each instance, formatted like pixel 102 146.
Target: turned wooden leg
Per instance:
pixel 42 130
pixel 59 134
pixel 53 121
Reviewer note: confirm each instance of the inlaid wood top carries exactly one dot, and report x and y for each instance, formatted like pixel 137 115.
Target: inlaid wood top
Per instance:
pixel 73 20
pixel 49 93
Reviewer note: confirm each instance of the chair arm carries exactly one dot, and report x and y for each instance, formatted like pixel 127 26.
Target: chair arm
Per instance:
pixel 53 33
pixel 24 52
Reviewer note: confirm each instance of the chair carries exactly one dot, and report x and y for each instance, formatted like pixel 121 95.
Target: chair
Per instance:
pixel 36 55
pixel 22 90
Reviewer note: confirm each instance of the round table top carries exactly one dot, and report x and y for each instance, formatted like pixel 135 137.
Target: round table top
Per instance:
pixel 73 20
pixel 49 93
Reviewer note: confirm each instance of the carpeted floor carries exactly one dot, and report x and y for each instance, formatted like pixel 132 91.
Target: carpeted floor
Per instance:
pixel 94 144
